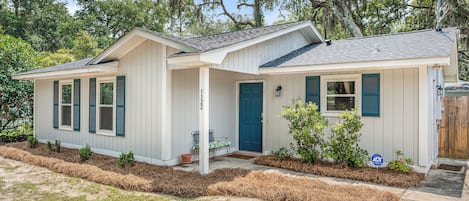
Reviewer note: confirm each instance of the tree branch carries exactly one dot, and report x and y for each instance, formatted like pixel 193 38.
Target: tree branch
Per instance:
pixel 226 13
pixel 318 3
pixel 420 6
pixel 245 4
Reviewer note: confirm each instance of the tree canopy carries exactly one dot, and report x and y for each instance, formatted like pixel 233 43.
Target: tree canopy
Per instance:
pixel 16 96
pixel 41 33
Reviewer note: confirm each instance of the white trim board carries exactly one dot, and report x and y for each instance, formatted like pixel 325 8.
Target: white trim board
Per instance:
pixel 100 69
pixel 216 56
pixel 374 65
pixel 144 35
pixel 116 154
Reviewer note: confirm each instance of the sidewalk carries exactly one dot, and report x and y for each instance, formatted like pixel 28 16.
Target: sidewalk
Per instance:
pixel 403 193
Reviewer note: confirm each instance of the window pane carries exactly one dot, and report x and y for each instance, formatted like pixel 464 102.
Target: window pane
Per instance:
pixel 67 94
pixel 341 87
pixel 106 96
pixel 67 115
pixel 340 103
pixel 105 119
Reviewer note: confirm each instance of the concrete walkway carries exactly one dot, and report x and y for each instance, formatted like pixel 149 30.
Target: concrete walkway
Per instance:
pixel 420 193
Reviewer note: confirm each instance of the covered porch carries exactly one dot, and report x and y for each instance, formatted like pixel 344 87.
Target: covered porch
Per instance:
pixel 204 99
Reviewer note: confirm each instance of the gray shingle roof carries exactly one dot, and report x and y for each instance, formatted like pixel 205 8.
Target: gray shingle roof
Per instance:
pixel 416 44
pixel 202 43
pixel 215 41
pixel 211 42
pixel 65 66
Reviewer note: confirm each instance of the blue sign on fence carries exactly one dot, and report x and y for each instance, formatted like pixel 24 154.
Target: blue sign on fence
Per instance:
pixel 377 160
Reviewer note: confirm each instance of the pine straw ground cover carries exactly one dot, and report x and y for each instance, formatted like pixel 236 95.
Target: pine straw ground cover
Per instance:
pixel 151 178
pixel 274 186
pixel 381 176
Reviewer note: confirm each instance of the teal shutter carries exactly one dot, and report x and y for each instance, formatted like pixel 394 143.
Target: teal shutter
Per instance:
pixel 313 90
pixel 92 117
pixel 76 105
pixel 371 95
pixel 120 106
pixel 56 105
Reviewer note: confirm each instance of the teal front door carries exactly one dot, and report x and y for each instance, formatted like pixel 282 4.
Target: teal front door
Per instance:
pixel 250 116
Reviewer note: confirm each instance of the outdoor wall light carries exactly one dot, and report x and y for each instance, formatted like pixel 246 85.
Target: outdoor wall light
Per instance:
pixel 439 90
pixel 278 91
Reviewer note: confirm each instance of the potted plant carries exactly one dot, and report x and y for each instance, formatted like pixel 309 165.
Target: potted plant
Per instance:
pixel 186 159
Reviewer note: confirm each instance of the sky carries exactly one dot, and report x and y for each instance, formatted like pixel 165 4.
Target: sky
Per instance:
pixel 270 16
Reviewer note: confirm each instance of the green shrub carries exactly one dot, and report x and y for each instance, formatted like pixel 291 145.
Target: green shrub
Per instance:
pixel 282 153
pixel 57 146
pixel 401 164
pixel 126 159
pixel 49 146
pixel 307 129
pixel 32 141
pixel 343 143
pixel 85 152
pixel 19 134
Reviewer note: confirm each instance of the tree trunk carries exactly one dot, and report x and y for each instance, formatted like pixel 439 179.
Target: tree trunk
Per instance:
pixel 258 17
pixel 340 9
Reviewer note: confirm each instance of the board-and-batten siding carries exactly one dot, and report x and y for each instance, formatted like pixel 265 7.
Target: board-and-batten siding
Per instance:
pixel 395 129
pixel 185 107
pixel 142 68
pixel 248 60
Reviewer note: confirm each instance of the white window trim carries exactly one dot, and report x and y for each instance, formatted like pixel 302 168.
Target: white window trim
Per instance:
pixel 98 105
pixel 340 78
pixel 63 127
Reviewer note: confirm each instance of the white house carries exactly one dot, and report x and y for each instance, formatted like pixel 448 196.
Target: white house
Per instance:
pixel 148 91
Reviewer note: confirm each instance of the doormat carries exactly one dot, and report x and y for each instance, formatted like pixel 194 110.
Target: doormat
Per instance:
pixel 443 182
pixel 455 168
pixel 240 156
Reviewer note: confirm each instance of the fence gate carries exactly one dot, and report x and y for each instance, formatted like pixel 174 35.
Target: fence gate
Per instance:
pixel 453 141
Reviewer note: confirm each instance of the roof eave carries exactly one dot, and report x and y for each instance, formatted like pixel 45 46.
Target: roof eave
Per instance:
pixel 217 56
pixel 145 35
pixel 101 69
pixel 363 65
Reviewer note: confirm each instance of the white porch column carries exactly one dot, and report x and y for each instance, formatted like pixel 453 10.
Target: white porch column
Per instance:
pixel 424 132
pixel 165 107
pixel 203 120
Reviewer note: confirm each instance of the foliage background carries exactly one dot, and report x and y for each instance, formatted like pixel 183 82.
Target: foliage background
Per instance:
pixel 40 33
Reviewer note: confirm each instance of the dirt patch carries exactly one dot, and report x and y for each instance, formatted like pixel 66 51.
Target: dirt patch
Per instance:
pixel 84 171
pixel 19 181
pixel 275 186
pixel 380 176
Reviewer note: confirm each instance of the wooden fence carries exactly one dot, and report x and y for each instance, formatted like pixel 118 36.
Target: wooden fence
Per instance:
pixel 453 140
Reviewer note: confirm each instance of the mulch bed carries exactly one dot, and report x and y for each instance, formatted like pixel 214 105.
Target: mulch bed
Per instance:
pixel 151 178
pixel 164 179
pixel 381 176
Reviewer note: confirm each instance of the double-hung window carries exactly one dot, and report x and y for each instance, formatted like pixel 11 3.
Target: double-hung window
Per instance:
pixel 340 93
pixel 106 105
pixel 65 104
